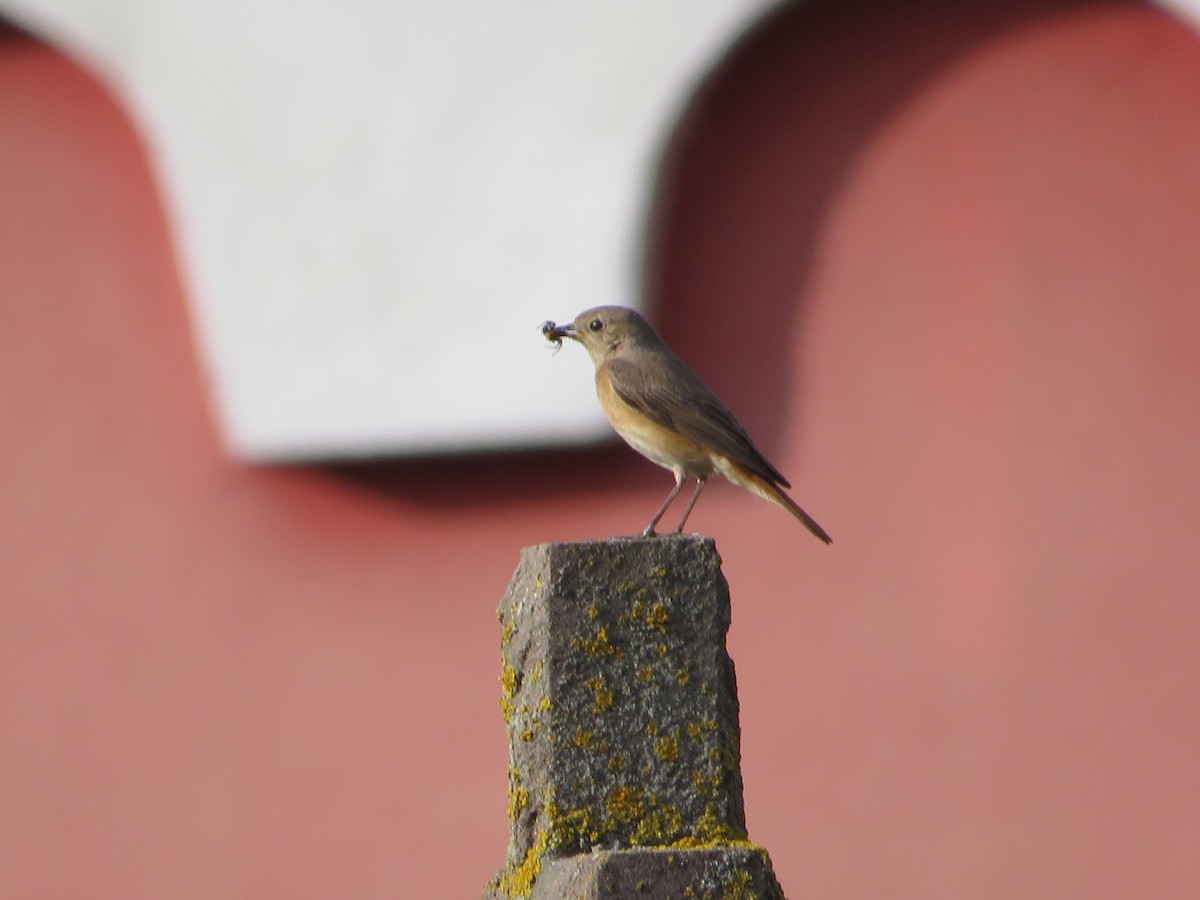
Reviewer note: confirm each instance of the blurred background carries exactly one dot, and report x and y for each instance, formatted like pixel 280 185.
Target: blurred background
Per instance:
pixel 941 259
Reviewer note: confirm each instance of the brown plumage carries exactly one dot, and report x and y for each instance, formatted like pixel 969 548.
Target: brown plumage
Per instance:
pixel 665 412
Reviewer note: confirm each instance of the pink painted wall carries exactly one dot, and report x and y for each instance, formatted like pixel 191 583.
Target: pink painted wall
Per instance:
pixel 943 263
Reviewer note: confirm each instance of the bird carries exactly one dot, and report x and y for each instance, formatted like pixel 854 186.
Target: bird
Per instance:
pixel 662 409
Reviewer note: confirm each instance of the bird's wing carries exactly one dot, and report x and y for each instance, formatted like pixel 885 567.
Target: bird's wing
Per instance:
pixel 683 402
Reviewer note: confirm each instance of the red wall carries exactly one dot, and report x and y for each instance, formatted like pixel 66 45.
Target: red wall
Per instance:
pixel 944 264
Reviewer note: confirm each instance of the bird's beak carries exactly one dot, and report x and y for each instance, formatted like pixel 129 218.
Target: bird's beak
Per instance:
pixel 556 333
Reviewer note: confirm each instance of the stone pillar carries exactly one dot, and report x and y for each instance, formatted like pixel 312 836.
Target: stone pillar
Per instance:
pixel 622 716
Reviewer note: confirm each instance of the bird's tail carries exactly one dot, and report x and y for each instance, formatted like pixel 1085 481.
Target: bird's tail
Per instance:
pixel 756 484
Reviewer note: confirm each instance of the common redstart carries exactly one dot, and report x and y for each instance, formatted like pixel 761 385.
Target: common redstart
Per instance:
pixel 666 413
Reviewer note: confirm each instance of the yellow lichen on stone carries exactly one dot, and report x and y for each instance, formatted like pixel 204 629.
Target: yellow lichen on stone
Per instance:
pixel 659 572
pixel 582 739
pixel 693 731
pixel 648 832
pixel 672 819
pixel 570 828
pixel 721 756
pixel 616 763
pixel 544 704
pixel 599 645
pixel 518 799
pixel 626 803
pixel 691 842
pixel 518 881
pixel 667 749
pixel 603 698
pixel 714 828
pixel 683 676
pixel 658 826
pixel 508 688
pixel 593 611
pixel 657 617
pixel 645 673
pixel 738 887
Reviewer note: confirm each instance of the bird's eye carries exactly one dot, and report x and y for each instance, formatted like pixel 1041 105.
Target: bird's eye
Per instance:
pixel 595 325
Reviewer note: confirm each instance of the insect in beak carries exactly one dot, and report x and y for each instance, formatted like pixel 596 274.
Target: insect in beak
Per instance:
pixel 555 333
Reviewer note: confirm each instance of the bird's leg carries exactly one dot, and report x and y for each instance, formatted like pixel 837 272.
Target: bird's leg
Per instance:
pixel 679 478
pixel 695 496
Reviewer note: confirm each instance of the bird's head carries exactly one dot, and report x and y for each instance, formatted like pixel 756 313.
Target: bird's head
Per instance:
pixel 604 331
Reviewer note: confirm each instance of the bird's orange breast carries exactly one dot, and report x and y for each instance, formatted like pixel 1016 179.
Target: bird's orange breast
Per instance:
pixel 658 443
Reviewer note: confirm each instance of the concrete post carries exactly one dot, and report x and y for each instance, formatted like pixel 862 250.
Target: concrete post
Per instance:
pixel 622 716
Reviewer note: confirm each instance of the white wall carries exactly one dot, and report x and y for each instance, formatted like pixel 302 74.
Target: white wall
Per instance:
pixel 377 203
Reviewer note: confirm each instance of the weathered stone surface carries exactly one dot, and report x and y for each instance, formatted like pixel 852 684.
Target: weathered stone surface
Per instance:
pixel 723 873
pixel 622 717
